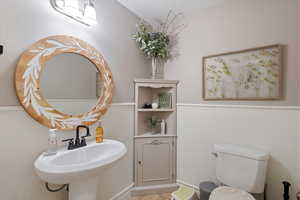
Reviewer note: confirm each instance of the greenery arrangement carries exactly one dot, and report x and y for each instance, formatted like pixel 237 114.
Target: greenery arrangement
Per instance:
pixel 156 42
pixel 153 121
pixel 152 44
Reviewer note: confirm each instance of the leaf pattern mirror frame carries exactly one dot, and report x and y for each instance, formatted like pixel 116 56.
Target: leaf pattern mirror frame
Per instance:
pixel 28 74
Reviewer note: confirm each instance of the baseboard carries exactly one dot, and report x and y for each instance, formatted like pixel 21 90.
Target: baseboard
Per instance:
pixel 125 194
pixel 153 189
pixel 130 190
pixel 196 188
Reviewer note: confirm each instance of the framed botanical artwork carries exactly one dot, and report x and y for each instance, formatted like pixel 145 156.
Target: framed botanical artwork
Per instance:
pixel 251 74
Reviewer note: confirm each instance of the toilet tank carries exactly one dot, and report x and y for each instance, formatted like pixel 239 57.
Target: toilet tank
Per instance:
pixel 241 167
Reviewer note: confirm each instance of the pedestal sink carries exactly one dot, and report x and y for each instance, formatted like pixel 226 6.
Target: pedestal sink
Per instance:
pixel 79 168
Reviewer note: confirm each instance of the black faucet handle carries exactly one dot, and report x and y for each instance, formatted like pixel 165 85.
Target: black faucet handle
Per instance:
pixel 68 140
pixel 70 144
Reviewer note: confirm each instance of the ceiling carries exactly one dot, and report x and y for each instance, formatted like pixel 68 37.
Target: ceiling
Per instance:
pixel 151 10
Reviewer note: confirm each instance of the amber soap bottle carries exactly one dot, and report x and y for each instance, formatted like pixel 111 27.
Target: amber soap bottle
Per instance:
pixel 99 133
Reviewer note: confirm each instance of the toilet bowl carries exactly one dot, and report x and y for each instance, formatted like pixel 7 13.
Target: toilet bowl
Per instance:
pixel 230 193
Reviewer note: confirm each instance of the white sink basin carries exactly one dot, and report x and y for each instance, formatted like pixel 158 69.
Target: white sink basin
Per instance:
pixel 80 167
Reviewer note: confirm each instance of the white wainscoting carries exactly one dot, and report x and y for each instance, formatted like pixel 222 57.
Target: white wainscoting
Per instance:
pixel 275 129
pixel 23 139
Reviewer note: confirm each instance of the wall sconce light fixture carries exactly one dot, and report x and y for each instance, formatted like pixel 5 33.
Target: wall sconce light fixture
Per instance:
pixel 81 10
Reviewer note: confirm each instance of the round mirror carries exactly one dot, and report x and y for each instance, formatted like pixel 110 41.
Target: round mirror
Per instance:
pixel 69 83
pixel 63 82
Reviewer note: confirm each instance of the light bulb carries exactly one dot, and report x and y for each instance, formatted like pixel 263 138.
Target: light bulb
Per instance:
pixel 81 10
pixel 89 15
pixel 72 8
pixel 60 3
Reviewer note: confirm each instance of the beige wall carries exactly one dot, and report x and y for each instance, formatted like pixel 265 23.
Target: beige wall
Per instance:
pixel 23 140
pixel 235 25
pixel 229 26
pixel 232 26
pixel 24 22
pixel 298 57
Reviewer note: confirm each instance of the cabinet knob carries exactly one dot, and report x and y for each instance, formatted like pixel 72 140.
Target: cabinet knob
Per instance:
pixel 140 162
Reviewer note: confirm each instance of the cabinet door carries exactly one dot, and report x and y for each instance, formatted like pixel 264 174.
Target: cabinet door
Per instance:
pixel 155 161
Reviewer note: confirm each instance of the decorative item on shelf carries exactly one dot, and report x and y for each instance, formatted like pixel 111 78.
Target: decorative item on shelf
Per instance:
pixel 251 74
pixel 153 122
pixel 147 106
pixel 154 105
pixel 154 66
pixel 157 41
pixel 163 125
pixel 165 100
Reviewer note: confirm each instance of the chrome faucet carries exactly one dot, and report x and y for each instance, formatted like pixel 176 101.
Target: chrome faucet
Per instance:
pixel 78 142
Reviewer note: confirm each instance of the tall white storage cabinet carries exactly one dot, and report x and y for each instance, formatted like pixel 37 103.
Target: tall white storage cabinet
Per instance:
pixel 155 150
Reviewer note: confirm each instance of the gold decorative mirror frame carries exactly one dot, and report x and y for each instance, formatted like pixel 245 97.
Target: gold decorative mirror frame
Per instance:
pixel 28 74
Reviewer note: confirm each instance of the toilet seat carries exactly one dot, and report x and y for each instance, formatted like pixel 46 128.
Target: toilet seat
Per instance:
pixel 229 193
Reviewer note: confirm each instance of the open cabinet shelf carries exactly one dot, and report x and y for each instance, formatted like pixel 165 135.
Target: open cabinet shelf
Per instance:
pixel 155 152
pixel 148 91
pixel 156 110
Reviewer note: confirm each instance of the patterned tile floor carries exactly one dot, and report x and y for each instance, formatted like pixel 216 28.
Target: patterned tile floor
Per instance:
pixel 164 196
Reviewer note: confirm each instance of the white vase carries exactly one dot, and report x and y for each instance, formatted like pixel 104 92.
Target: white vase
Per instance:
pixel 154 68
pixel 157 69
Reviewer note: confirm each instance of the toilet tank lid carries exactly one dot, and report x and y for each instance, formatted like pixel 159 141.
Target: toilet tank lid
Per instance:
pixel 242 151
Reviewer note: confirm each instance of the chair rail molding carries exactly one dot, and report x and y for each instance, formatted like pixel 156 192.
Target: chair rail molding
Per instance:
pixel 19 108
pixel 239 106
pixel 201 105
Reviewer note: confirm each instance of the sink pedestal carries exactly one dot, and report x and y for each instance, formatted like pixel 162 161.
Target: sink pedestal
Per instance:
pixel 84 189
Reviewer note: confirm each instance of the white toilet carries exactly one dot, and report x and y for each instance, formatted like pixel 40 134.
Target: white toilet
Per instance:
pixel 242 168
pixel 229 193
